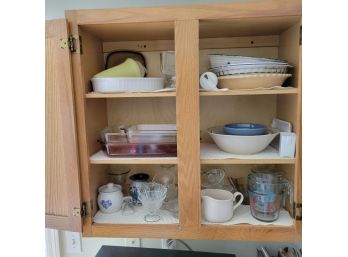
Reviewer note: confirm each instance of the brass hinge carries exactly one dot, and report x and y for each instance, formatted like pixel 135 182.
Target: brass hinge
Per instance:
pixel 297 207
pixel 83 211
pixel 73 42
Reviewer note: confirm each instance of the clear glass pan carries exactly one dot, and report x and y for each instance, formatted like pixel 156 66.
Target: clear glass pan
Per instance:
pixel 141 150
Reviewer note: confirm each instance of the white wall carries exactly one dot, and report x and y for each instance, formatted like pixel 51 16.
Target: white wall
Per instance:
pixel 90 246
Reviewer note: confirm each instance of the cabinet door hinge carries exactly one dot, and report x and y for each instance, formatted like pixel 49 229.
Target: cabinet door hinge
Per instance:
pixel 297 207
pixel 73 42
pixel 83 211
pixel 300 37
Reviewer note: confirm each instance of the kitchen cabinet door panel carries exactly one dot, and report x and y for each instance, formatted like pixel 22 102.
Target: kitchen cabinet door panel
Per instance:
pixel 62 169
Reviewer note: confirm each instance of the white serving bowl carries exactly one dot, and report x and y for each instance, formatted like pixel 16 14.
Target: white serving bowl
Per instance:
pixel 253 81
pixel 240 144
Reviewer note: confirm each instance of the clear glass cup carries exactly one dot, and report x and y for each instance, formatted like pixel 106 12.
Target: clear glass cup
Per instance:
pixel 118 176
pixel 152 196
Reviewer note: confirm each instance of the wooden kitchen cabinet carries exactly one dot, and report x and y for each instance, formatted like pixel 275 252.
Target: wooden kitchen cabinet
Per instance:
pixel 75 115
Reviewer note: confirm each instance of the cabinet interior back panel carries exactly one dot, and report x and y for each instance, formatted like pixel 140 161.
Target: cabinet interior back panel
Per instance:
pixel 132 31
pixel 129 112
pixel 150 169
pixel 228 109
pixel 252 26
pixel 234 171
pixel 153 58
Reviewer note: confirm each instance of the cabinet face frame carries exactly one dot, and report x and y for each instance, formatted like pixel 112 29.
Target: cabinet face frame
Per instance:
pixel 183 16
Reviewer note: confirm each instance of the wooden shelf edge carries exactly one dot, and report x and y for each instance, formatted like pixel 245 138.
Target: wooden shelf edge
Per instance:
pixel 137 226
pixel 136 161
pixel 204 232
pixel 248 161
pixel 290 90
pixel 101 158
pixel 247 226
pixel 252 232
pixel 174 160
pixel 130 95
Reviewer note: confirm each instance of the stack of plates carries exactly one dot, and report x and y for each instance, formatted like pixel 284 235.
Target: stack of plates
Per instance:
pixel 240 72
pixel 217 60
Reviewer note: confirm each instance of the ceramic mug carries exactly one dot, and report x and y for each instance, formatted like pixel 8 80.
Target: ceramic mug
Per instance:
pixel 218 205
pixel 137 180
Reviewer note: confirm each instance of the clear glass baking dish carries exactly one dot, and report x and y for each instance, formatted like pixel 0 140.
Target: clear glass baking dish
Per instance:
pixel 151 133
pixel 118 146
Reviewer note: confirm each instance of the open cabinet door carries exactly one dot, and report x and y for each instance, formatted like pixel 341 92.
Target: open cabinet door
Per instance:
pixel 62 202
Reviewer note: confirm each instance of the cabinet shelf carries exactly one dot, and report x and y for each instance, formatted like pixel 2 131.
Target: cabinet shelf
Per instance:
pixel 204 232
pixel 248 161
pixel 101 158
pixel 280 91
pixel 136 218
pixel 130 95
pixel 211 154
pixel 243 215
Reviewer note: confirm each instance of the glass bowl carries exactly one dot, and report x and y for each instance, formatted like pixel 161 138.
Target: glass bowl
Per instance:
pixel 152 196
pixel 213 178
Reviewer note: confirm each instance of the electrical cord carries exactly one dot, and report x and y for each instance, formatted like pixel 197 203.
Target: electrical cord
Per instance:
pixel 185 244
pixel 170 242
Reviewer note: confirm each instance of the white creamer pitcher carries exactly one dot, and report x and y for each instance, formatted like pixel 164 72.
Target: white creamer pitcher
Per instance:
pixel 217 204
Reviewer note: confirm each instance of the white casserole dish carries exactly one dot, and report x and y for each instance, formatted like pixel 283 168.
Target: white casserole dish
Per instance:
pixel 117 85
